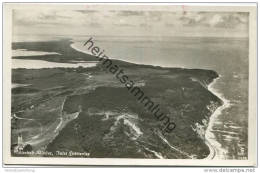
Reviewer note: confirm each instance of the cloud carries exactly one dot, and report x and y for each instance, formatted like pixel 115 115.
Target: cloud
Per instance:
pixel 125 25
pixel 123 22
pixel 170 25
pixel 139 21
pixel 94 25
pixel 194 19
pixel 52 16
pixel 129 13
pixel 228 21
pixel 144 25
pixel 86 11
pixel 218 20
pixel 155 15
pixel 215 20
pixel 40 18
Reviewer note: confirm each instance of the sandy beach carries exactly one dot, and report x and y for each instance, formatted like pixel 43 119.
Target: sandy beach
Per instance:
pixel 216 150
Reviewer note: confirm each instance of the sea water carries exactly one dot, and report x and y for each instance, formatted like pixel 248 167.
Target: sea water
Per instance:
pixel 227 56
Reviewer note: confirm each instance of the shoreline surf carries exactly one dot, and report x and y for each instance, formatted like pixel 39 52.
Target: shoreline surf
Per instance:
pixel 210 139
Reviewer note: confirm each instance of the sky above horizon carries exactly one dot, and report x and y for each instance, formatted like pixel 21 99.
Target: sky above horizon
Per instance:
pixel 129 22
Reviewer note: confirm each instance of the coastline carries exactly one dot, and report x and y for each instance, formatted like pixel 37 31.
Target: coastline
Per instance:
pixel 216 152
pixel 74 46
pixel 210 141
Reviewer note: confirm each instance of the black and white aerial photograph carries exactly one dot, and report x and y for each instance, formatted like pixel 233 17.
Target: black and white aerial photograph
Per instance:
pixel 129 82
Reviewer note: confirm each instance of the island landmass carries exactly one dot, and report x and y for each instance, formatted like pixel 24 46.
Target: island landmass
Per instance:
pixel 89 110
